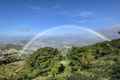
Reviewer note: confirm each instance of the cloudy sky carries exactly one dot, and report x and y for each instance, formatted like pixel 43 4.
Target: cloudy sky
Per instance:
pixel 27 17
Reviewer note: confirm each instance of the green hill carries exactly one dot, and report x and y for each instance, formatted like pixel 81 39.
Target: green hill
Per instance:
pixel 100 61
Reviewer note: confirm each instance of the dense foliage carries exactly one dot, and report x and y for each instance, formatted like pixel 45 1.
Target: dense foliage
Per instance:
pixel 100 61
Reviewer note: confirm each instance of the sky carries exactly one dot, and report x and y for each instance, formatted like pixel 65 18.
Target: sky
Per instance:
pixel 28 17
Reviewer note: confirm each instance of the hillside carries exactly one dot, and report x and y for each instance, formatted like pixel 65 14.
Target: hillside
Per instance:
pixel 100 61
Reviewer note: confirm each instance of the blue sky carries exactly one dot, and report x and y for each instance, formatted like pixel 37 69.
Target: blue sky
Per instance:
pixel 27 17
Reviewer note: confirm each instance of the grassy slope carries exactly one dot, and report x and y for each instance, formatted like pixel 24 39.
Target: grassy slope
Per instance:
pixel 94 62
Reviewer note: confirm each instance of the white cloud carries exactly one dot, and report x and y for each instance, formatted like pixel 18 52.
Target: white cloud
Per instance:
pixel 38 7
pixel 82 16
pixel 86 14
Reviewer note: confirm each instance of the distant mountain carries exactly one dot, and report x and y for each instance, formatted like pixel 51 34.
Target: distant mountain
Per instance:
pixel 111 32
pixel 12 38
pixel 9 41
pixel 63 40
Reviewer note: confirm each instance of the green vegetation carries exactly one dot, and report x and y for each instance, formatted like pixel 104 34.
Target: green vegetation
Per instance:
pixel 100 61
